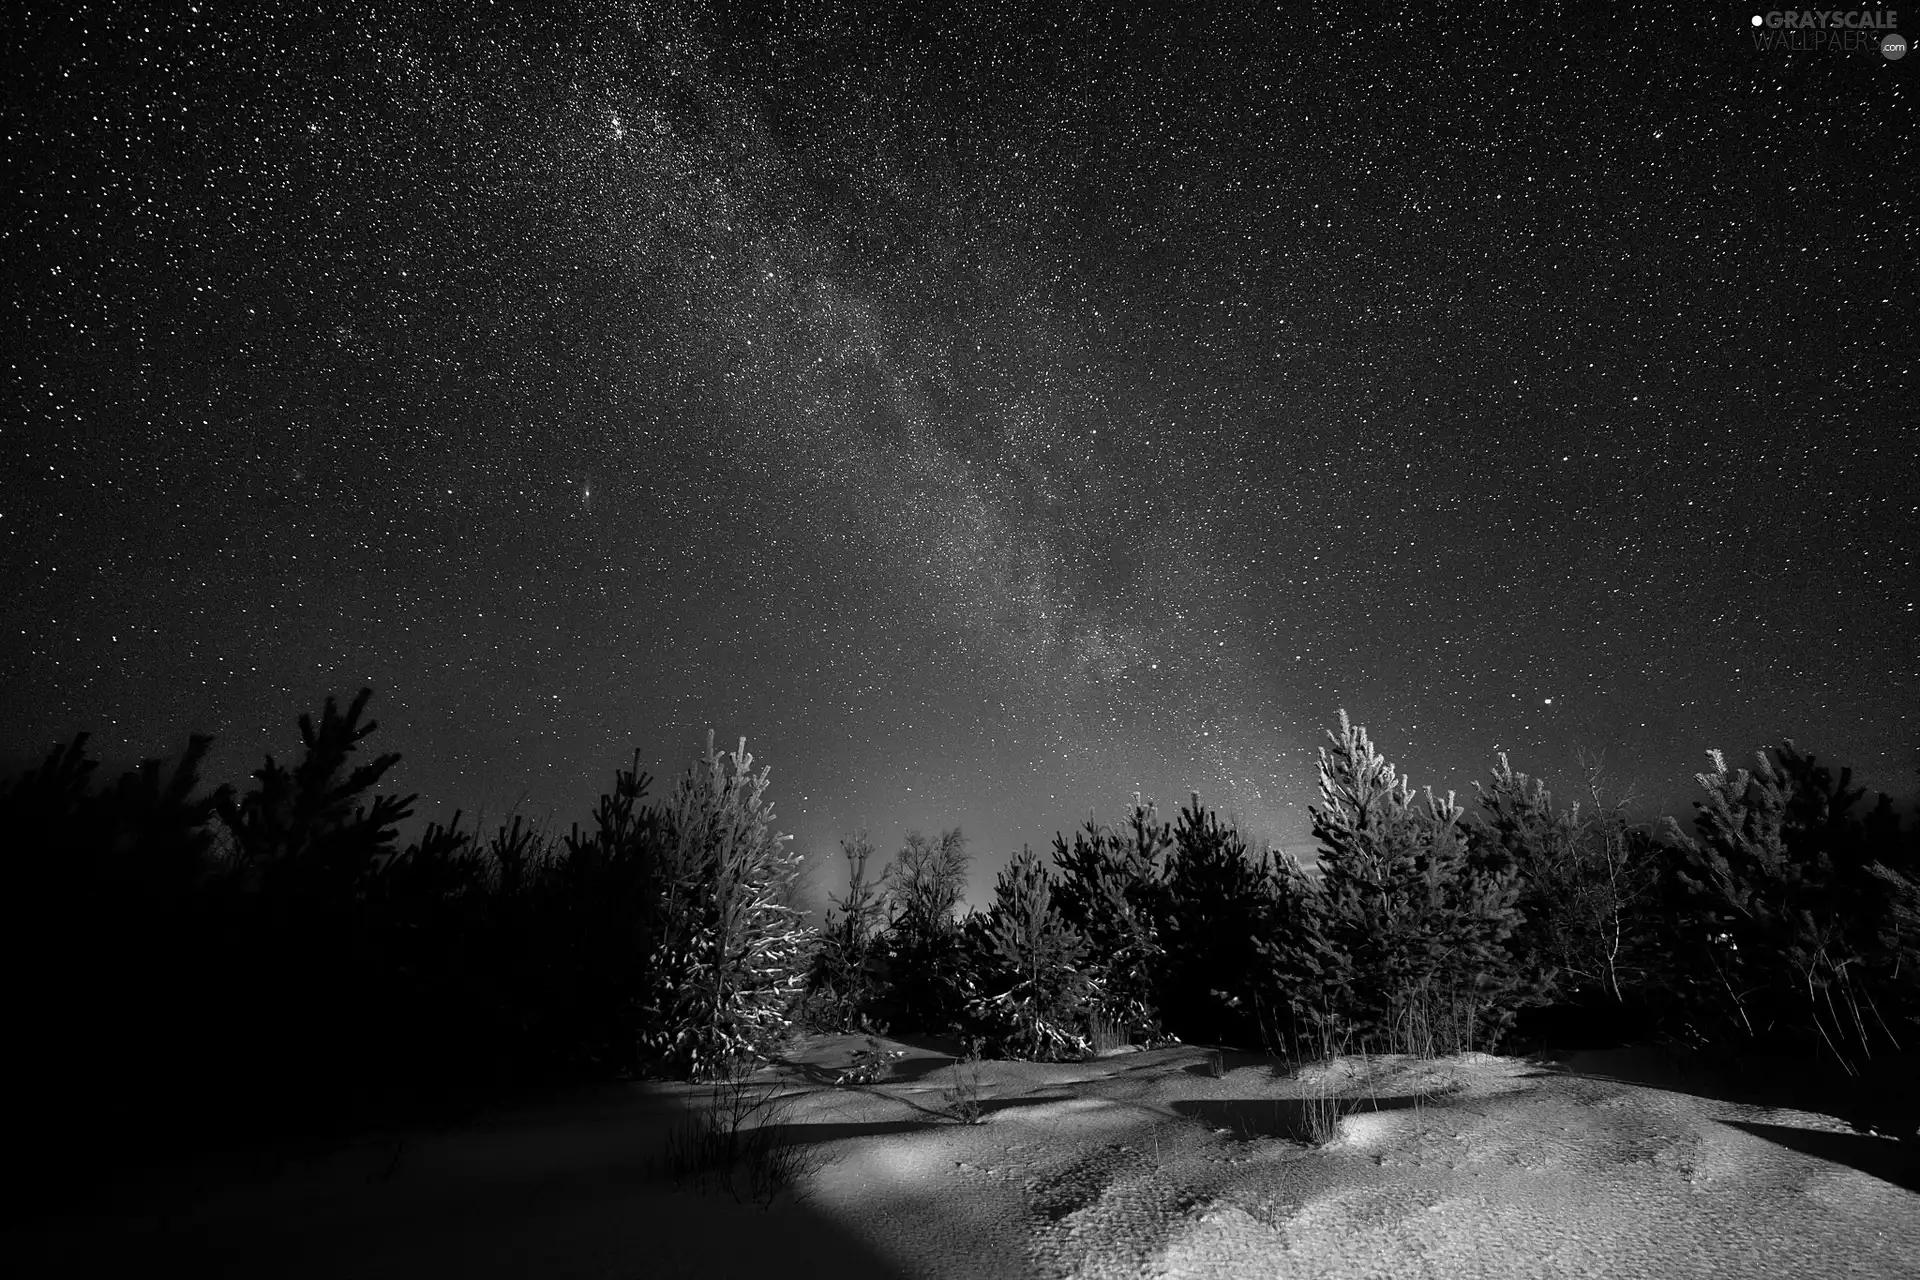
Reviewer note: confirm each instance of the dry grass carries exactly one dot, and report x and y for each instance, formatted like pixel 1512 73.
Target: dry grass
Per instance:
pixel 1106 1036
pixel 1321 1113
pixel 738 1143
pixel 960 1098
pixel 1422 1031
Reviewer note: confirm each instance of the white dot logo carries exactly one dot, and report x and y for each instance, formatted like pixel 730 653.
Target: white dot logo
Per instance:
pixel 1757 20
pixel 1893 46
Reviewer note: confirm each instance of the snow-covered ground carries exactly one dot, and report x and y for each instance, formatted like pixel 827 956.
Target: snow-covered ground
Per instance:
pixel 1136 1164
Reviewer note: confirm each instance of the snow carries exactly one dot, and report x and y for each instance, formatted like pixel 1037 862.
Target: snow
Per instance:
pixel 1131 1165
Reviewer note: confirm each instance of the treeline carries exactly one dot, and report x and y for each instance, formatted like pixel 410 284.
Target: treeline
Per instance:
pixel 1787 921
pixel 195 969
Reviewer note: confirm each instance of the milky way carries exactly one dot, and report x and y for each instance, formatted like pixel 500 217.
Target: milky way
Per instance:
pixel 990 417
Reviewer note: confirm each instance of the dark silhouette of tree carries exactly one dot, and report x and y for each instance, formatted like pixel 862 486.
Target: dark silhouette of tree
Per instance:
pixel 304 834
pixel 1112 892
pixel 305 953
pixel 1811 909
pixel 924 951
pixel 1031 996
pixel 848 969
pixel 107 936
pixel 1219 906
pixel 608 907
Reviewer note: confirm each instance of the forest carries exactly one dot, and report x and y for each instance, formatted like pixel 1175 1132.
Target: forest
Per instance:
pixel 202 967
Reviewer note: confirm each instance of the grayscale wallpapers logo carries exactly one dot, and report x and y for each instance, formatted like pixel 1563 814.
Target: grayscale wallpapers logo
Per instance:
pixel 1842 30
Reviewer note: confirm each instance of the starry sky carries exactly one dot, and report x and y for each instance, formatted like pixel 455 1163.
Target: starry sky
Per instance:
pixel 988 413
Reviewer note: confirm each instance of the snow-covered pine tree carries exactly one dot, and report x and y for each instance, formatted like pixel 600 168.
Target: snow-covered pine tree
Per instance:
pixel 1110 890
pixel 1587 886
pixel 1294 956
pixel 731 956
pixel 1031 994
pixel 1418 932
pixel 1520 828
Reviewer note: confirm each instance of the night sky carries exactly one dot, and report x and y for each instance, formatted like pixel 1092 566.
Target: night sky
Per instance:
pixel 988 415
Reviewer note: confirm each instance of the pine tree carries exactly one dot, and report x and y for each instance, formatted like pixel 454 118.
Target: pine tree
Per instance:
pixel 845 970
pixel 1588 882
pixel 426 912
pixel 110 950
pixel 730 954
pixel 1031 993
pixel 307 956
pixel 302 834
pixel 1417 929
pixel 516 960
pixel 1294 960
pixel 1219 906
pixel 1520 828
pixel 1807 912
pixel 606 918
pixel 1111 892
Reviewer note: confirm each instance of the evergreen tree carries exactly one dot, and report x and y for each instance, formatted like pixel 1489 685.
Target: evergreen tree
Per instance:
pixel 1417 929
pixel 607 924
pixel 110 949
pixel 1521 829
pixel 1111 892
pixel 846 966
pixel 1030 994
pixel 307 960
pixel 730 952
pixel 1806 912
pixel 520 983
pixel 1295 959
pixel 1595 940
pixel 302 835
pixel 1588 885
pixel 1219 906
